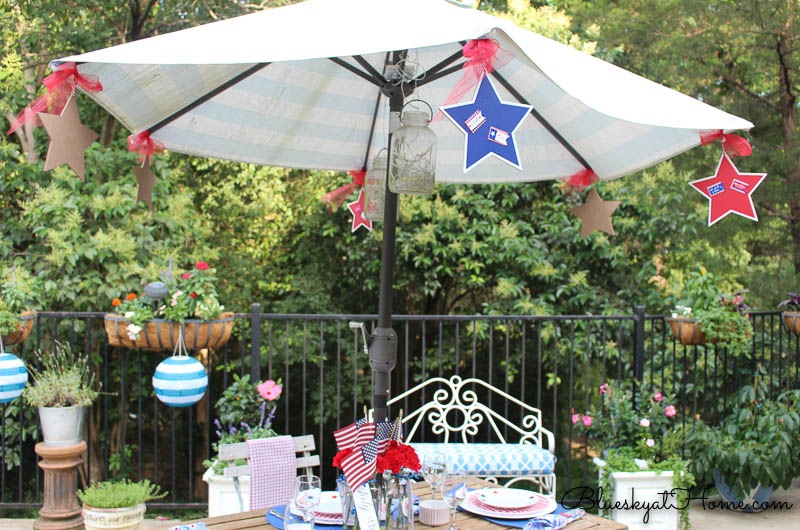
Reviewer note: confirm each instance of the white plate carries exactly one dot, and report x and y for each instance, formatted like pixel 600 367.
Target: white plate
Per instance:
pixel 542 506
pixel 329 510
pixel 507 498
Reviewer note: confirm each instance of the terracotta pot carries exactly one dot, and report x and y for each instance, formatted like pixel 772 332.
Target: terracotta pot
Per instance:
pixel 159 335
pixel 25 327
pixel 687 331
pixel 792 322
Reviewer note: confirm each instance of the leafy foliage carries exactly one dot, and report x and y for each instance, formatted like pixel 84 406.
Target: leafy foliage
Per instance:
pixel 122 494
pixel 758 443
pixel 63 380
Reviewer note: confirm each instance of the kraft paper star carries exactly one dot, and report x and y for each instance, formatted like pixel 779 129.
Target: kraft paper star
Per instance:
pixel 357 208
pixel 146 181
pixel 595 214
pixel 488 125
pixel 729 191
pixel 69 138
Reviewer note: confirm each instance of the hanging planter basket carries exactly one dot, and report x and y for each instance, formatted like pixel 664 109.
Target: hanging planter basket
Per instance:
pixel 159 335
pixel 687 331
pixel 25 326
pixel 792 322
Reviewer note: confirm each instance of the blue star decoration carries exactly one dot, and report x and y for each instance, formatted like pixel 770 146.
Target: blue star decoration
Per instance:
pixel 488 124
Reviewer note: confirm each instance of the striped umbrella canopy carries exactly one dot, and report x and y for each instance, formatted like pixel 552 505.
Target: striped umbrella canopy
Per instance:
pixel 306 86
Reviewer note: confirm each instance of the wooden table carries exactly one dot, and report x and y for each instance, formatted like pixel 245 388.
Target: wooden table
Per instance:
pixel 464 520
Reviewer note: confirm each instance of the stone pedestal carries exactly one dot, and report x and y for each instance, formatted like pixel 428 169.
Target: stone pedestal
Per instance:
pixel 61 509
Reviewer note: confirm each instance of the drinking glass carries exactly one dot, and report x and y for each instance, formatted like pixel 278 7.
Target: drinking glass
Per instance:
pixel 307 493
pixel 454 489
pixel 434 469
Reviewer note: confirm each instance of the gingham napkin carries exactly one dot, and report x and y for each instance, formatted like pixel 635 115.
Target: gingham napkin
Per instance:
pixel 272 471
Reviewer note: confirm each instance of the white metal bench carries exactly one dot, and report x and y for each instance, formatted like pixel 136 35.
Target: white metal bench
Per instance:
pixel 302 444
pixel 454 408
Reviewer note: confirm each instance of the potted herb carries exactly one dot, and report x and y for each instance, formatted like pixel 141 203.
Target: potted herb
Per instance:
pixel 245 411
pixel 117 505
pixel 62 389
pixel 638 442
pixel 705 314
pixel 190 311
pixel 792 313
pixel 16 320
pixel 753 451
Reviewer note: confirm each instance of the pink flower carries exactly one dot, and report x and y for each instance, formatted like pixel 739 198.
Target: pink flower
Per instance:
pixel 186 275
pixel 604 389
pixel 575 418
pixel 269 390
pixel 645 422
pixel 650 442
pixel 670 411
pixel 201 265
pixel 658 397
pixel 587 421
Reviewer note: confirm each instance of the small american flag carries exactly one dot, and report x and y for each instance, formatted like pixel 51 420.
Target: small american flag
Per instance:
pixel 719 187
pixel 368 441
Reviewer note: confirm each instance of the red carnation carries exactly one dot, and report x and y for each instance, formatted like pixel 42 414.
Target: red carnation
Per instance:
pixel 201 265
pixel 193 295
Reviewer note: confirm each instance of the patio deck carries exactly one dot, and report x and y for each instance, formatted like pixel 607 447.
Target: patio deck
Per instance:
pixel 700 518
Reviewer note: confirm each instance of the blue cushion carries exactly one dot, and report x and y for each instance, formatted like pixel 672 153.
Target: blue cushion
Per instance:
pixel 492 459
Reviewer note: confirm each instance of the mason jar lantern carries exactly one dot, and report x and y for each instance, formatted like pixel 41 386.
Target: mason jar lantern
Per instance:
pixel 375 188
pixel 412 164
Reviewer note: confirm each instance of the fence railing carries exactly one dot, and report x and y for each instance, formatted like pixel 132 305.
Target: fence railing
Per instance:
pixel 555 363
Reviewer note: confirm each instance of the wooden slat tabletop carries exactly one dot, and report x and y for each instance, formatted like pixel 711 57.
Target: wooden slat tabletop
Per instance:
pixel 465 521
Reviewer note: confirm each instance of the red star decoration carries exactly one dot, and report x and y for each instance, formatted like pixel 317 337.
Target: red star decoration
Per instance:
pixel 357 207
pixel 729 191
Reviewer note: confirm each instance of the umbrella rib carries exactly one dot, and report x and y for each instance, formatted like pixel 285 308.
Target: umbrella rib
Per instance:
pixel 359 73
pixel 444 62
pixel 429 79
pixel 205 97
pixel 369 68
pixel 502 80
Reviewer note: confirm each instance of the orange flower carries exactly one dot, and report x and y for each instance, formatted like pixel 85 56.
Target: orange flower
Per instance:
pixel 130 296
pixel 115 302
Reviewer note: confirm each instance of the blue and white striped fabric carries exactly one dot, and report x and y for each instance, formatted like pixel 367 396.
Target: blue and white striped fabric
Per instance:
pixel 13 377
pixel 180 381
pixel 300 109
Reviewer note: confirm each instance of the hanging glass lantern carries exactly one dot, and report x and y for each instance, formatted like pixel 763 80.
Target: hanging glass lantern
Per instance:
pixel 375 188
pixel 413 157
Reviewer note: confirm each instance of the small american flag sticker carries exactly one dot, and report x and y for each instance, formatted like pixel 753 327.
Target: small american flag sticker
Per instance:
pixel 714 189
pixel 498 136
pixel 738 185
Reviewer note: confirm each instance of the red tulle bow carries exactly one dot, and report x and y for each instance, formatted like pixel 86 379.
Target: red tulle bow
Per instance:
pixel 481 54
pixel 335 198
pixel 733 144
pixel 581 179
pixel 143 144
pixel 60 85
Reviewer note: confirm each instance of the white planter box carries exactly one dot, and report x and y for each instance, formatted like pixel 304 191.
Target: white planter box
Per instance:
pixel 222 497
pixel 643 487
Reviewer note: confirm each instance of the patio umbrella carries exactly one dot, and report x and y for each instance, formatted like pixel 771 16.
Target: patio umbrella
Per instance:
pixel 311 86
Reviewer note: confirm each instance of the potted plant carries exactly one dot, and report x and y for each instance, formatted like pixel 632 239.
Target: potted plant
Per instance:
pixel 16 320
pixel 792 315
pixel 189 310
pixel 246 411
pixel 753 451
pixel 117 505
pixel 638 443
pixel 62 389
pixel 707 315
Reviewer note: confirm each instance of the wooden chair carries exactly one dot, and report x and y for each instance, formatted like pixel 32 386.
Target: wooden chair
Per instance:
pixel 237 451
pixel 454 409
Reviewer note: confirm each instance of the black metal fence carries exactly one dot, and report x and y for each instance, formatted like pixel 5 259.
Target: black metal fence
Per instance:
pixel 555 363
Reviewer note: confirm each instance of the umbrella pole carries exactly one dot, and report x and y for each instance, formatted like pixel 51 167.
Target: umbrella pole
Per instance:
pixel 383 346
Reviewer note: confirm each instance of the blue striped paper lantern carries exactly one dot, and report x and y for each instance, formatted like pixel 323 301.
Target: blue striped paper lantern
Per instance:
pixel 180 381
pixel 13 377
